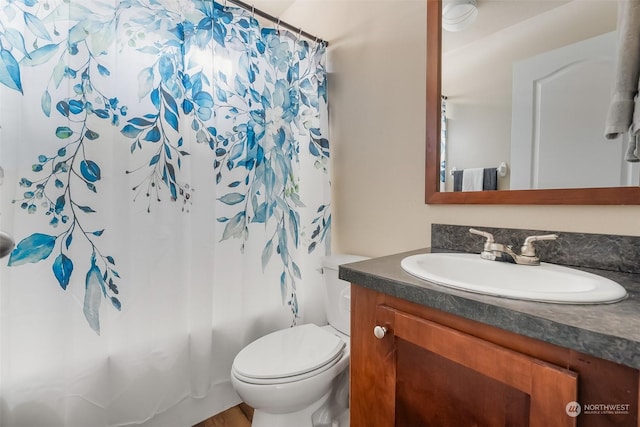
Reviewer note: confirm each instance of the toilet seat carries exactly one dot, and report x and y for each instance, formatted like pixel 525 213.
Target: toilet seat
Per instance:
pixel 288 355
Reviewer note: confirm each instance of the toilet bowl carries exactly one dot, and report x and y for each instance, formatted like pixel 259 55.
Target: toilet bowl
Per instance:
pixel 289 397
pixel 299 376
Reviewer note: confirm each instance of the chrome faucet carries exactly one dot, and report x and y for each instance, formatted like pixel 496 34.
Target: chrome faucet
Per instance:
pixel 493 251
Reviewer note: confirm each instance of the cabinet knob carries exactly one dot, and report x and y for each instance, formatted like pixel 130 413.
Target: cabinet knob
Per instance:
pixel 379 332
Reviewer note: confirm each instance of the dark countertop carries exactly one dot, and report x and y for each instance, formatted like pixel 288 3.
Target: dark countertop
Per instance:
pixel 607 331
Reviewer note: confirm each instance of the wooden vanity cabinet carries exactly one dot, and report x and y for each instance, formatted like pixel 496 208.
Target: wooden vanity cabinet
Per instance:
pixel 432 368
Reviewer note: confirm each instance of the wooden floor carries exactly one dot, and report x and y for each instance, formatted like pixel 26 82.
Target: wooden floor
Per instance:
pixel 238 416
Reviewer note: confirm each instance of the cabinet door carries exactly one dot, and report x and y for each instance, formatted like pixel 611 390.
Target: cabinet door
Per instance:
pixel 446 377
pixel 443 377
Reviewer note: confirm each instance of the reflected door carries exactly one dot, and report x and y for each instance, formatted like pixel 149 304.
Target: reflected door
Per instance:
pixel 560 102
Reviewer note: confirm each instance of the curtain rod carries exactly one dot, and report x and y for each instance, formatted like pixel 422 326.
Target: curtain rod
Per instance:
pixel 277 21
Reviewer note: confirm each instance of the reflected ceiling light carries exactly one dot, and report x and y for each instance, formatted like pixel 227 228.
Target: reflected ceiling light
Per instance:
pixel 458 14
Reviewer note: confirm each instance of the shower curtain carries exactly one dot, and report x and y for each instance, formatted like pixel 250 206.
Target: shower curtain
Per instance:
pixel 165 179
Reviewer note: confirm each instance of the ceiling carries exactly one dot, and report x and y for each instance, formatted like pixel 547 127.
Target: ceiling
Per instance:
pixel 480 58
pixel 493 15
pixel 274 8
pixel 496 15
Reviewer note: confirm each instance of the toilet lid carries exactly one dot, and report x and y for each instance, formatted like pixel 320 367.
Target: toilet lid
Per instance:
pixel 288 352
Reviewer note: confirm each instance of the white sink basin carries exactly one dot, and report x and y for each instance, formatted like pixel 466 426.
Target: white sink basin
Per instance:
pixel 545 282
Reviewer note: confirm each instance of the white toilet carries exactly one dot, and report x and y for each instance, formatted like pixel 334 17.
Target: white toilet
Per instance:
pixel 298 377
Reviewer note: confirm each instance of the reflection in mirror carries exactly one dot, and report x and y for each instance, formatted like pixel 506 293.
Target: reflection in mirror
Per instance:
pixel 629 195
pixel 527 86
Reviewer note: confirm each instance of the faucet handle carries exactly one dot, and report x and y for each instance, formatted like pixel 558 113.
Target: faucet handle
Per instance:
pixel 484 234
pixel 528 249
pixel 486 251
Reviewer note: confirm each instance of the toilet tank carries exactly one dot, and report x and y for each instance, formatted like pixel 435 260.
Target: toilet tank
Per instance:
pixel 338 292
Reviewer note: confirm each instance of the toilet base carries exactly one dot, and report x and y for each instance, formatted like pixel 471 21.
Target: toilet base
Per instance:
pixel 302 418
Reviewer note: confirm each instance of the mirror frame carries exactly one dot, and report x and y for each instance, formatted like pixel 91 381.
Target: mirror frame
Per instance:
pixel 578 196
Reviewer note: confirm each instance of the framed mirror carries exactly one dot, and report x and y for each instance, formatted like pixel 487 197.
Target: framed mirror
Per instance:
pixel 437 171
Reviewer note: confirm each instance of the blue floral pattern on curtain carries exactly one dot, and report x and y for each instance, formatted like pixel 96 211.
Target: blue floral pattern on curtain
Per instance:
pixel 213 76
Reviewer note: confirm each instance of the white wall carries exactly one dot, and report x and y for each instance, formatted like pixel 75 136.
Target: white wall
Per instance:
pixel 377 62
pixel 478 138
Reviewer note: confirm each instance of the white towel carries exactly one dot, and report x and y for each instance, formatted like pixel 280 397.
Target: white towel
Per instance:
pixel 624 109
pixel 472 179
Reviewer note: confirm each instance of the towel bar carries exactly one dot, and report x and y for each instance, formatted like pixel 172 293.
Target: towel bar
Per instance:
pixel 502 169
